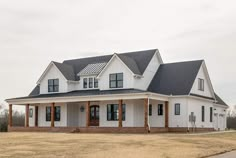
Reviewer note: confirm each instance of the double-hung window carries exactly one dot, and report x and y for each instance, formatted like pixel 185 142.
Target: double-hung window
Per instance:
pixel 90 82
pixel 211 114
pixel 95 83
pixel 53 85
pixel 85 82
pixel 177 109
pixel 57 113
pixel 116 80
pixel 113 112
pixel 203 114
pixel 200 84
pixel 160 109
pixel 150 109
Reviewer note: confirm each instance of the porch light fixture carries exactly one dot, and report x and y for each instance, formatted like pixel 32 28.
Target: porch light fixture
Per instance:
pixel 82 109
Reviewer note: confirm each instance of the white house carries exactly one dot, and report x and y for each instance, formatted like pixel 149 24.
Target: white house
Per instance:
pixel 123 92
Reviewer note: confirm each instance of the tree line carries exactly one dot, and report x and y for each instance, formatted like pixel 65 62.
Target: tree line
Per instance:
pixel 18 119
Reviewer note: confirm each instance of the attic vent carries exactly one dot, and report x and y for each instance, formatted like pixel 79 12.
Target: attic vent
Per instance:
pixel 92 69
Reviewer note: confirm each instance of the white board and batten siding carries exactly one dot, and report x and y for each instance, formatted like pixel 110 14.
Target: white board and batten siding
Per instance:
pixel 143 82
pixel 53 73
pixel 202 74
pixel 116 66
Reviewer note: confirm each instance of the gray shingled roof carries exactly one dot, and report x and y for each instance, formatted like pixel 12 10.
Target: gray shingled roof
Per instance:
pixel 175 78
pixel 131 64
pixel 220 101
pixel 35 91
pixel 136 61
pixel 66 70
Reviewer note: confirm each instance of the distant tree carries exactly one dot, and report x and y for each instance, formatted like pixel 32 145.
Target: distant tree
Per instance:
pixel 18 119
pixel 231 118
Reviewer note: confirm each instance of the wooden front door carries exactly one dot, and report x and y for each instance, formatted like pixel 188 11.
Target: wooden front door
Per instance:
pixel 94 115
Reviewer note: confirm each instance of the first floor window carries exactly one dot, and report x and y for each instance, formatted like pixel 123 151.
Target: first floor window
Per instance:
pixel 85 83
pixel 90 82
pixel 57 113
pixel 203 113
pixel 53 85
pixel 150 109
pixel 48 113
pixel 113 112
pixel 30 113
pixel 177 109
pixel 160 109
pixel 211 114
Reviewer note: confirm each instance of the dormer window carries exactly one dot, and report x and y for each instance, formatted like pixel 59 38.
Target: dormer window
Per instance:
pixel 53 85
pixel 90 83
pixel 85 83
pixel 95 83
pixel 201 84
pixel 116 80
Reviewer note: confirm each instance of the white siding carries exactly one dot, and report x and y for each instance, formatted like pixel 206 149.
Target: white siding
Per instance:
pixel 207 90
pixel 178 120
pixel 116 66
pixel 155 120
pixel 195 105
pixel 128 117
pixel 42 116
pixel 219 118
pixel 143 83
pixel 53 73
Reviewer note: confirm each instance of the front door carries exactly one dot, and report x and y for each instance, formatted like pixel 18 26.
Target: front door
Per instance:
pixel 94 115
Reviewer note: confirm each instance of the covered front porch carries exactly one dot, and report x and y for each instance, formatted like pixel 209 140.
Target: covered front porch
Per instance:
pixel 130 113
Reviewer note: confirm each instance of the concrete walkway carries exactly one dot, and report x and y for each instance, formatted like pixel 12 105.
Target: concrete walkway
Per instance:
pixel 231 154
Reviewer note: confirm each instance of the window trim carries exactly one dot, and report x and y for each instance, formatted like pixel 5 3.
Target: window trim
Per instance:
pixel 117 113
pixel 116 80
pixel 177 112
pixel 201 84
pixel 160 110
pixel 53 85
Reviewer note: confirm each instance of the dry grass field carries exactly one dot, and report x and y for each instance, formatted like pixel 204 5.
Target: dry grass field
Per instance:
pixel 114 145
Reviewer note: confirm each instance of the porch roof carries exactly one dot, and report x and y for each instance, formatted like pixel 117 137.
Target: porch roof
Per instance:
pixel 82 93
pixel 87 95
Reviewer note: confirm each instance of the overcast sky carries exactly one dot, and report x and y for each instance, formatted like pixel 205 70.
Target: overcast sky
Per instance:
pixel 35 32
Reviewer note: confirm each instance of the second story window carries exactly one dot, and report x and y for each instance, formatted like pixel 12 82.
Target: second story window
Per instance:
pixel 200 84
pixel 95 83
pixel 53 85
pixel 90 82
pixel 85 83
pixel 116 80
pixel 160 109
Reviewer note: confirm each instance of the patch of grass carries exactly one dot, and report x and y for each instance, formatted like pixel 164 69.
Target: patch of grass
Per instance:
pixel 114 145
